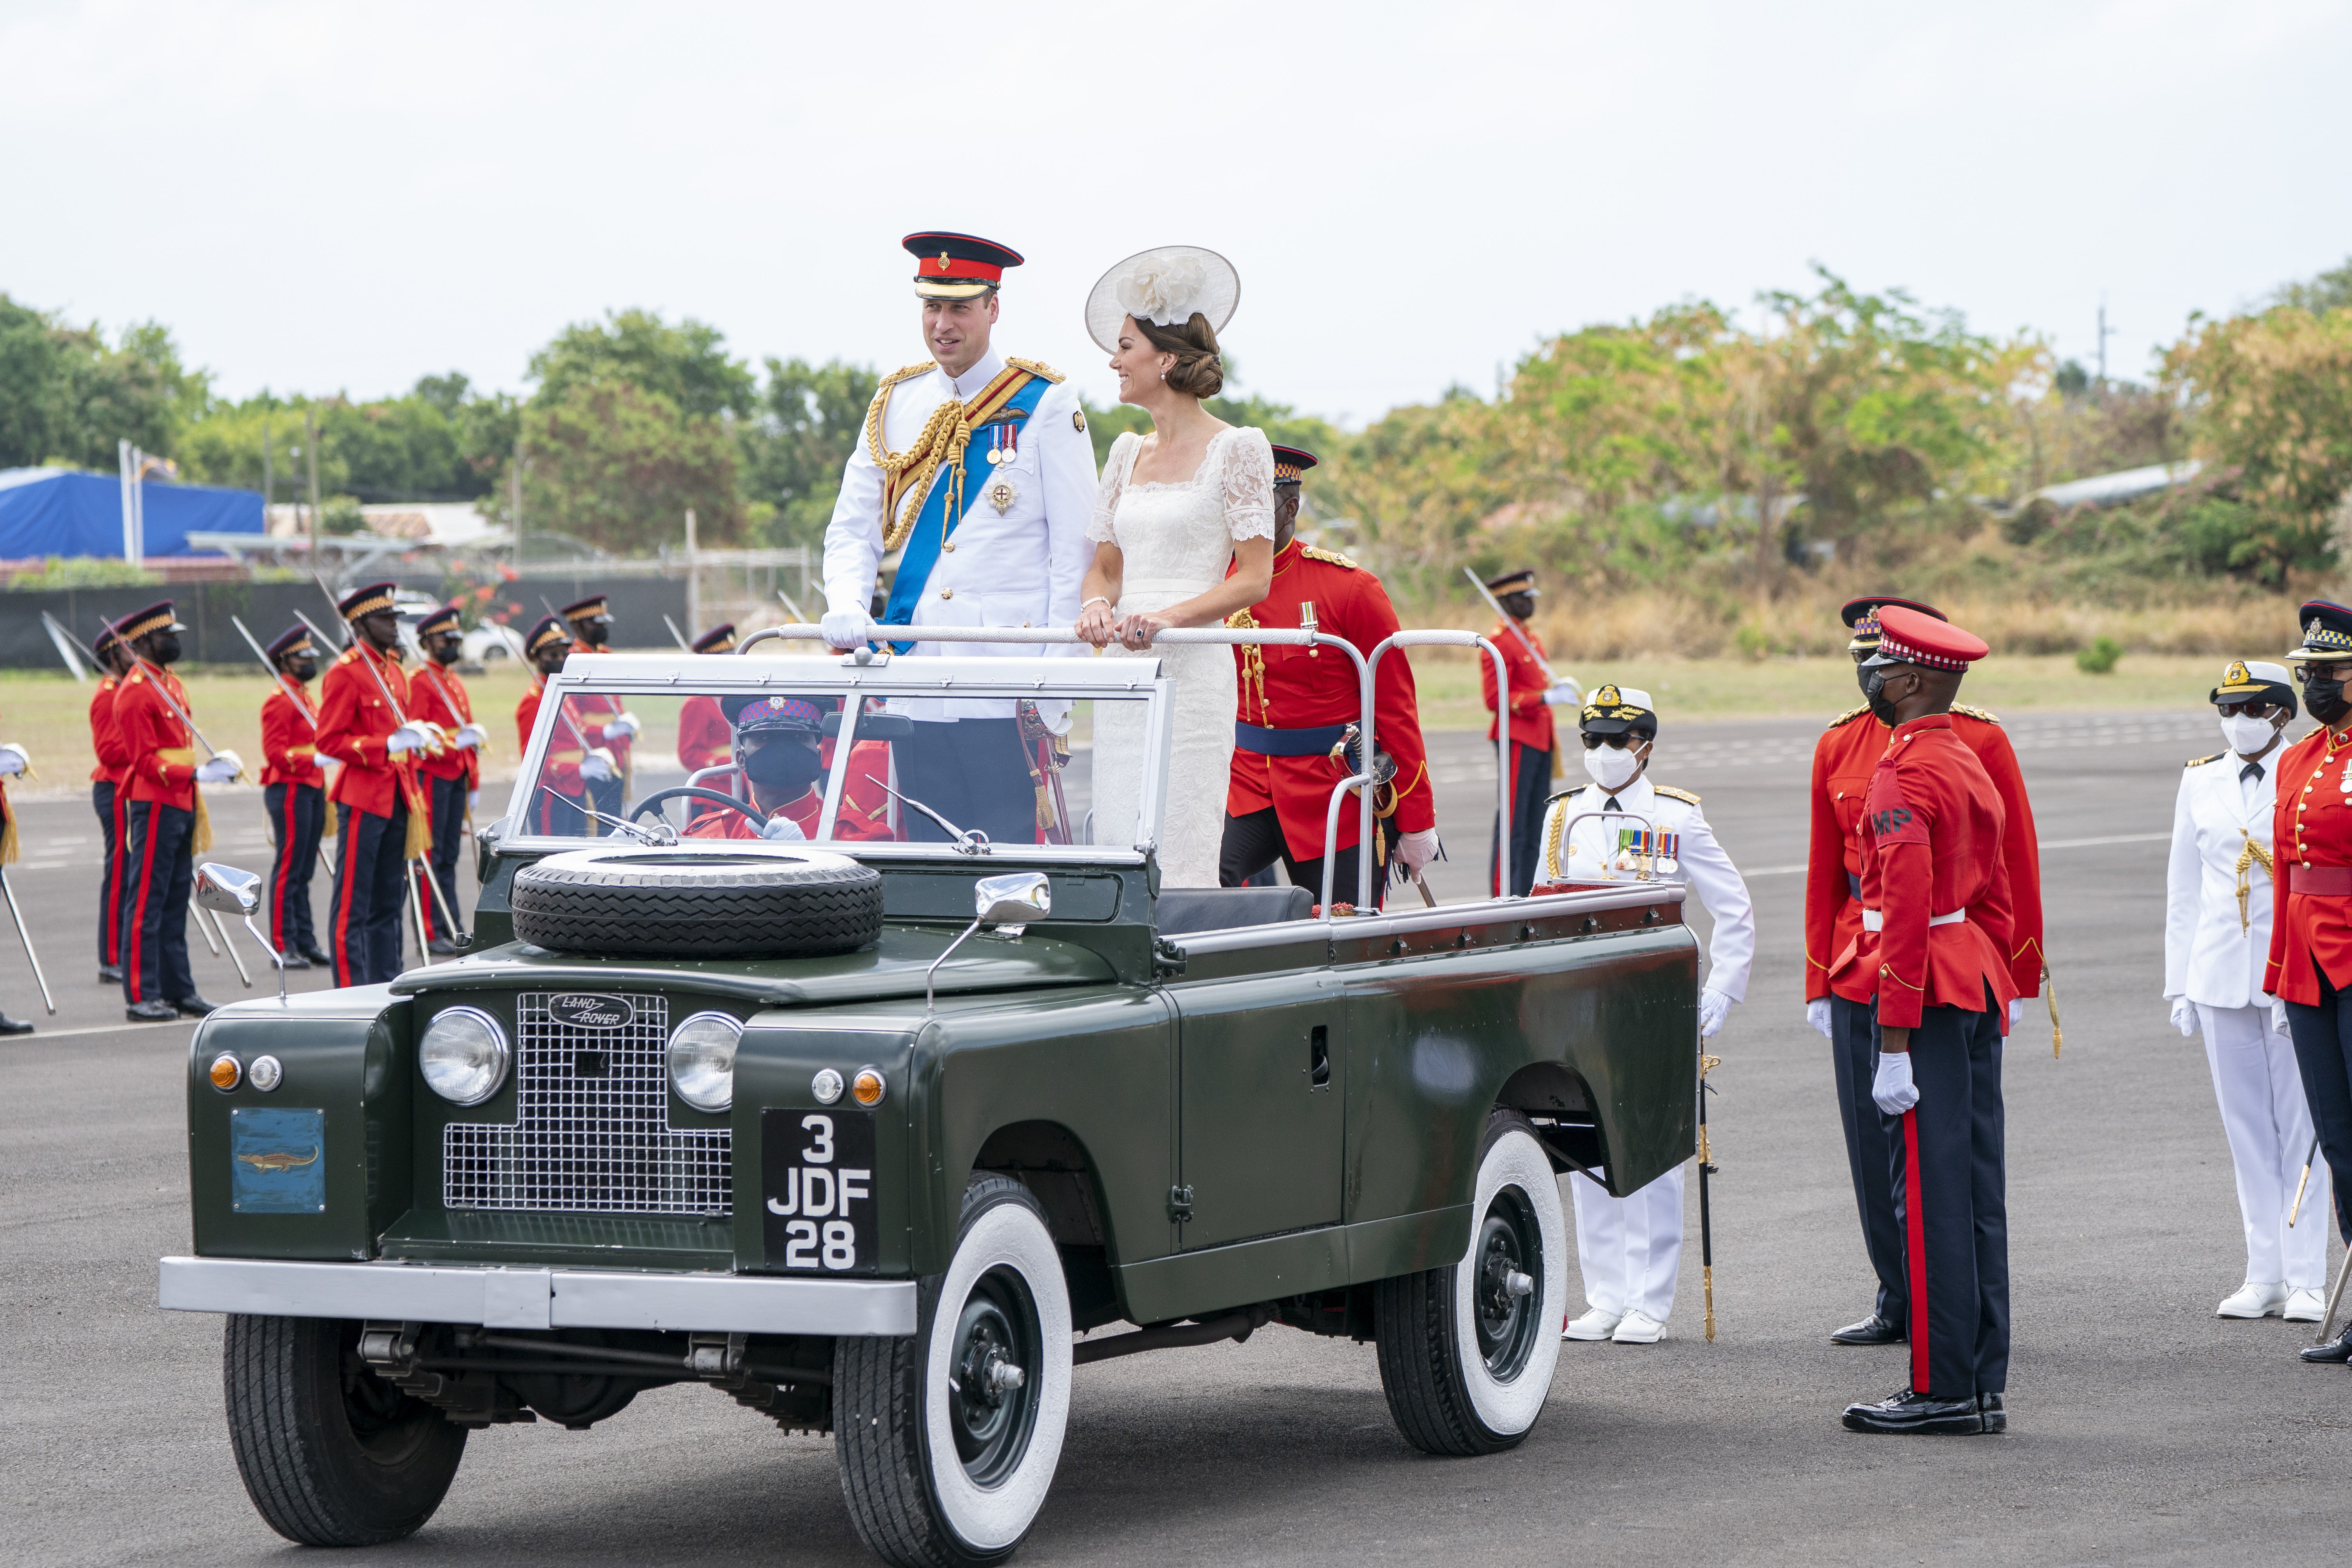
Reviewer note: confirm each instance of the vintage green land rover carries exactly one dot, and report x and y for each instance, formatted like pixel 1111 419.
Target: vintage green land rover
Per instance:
pixel 874 1134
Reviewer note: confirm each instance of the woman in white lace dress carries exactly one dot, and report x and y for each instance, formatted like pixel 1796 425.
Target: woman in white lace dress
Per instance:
pixel 1175 512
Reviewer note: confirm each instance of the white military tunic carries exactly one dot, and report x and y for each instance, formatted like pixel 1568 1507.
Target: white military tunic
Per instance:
pixel 2215 959
pixel 1630 1248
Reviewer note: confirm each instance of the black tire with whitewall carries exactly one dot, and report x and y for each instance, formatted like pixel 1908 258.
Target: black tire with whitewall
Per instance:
pixel 330 1454
pixel 947 1439
pixel 742 901
pixel 1466 1352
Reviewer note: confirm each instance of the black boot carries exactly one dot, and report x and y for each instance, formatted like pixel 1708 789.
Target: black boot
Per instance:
pixel 1872 1330
pixel 317 957
pixel 2338 1349
pixel 110 974
pixel 151 1013
pixel 1996 1413
pixel 1909 1411
pixel 191 1006
pixel 14 1026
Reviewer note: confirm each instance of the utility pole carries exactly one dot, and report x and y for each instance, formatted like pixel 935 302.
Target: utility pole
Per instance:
pixel 311 450
pixel 514 476
pixel 2106 331
pixel 268 488
pixel 693 579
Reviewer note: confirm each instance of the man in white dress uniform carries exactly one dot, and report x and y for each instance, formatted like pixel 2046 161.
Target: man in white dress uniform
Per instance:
pixel 978 472
pixel 2216 937
pixel 1631 1247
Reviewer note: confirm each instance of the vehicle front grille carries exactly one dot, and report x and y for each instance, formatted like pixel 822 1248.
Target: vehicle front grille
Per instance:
pixel 585 1140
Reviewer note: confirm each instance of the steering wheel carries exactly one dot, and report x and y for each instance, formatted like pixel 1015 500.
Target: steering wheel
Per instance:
pixel 695 792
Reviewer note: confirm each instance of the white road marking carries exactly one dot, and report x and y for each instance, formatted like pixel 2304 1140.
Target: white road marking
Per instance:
pixel 126 1026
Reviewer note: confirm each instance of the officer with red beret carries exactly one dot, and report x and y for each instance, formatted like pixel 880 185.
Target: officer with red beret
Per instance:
pixel 1933 958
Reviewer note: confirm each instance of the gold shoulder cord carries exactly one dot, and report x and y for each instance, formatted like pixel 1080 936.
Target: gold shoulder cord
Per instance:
pixel 942 439
pixel 1559 826
pixel 1253 663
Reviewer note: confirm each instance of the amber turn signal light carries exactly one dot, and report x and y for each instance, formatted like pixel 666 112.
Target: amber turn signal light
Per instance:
pixel 226 1072
pixel 867 1087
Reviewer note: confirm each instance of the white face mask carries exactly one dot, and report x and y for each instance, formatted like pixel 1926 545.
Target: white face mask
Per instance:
pixel 1610 767
pixel 2246 735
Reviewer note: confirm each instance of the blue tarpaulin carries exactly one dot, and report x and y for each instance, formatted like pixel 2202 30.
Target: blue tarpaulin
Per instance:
pixel 56 511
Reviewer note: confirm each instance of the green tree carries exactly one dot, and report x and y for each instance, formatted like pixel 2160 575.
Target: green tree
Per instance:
pixel 687 363
pixel 2331 290
pixel 68 395
pixel 618 466
pixel 810 419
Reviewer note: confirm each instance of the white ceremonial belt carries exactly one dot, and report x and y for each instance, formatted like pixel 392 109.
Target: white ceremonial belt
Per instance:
pixel 1872 919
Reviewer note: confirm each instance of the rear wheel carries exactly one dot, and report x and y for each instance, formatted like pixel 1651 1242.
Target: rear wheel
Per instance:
pixel 330 1454
pixel 947 1439
pixel 1466 1352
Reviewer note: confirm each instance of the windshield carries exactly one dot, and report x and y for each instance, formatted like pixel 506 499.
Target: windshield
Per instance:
pixel 983 755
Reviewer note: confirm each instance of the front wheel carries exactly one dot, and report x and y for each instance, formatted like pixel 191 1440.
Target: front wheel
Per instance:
pixel 947 1439
pixel 330 1454
pixel 1466 1352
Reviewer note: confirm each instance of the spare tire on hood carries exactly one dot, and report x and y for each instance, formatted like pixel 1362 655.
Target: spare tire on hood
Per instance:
pixel 741 901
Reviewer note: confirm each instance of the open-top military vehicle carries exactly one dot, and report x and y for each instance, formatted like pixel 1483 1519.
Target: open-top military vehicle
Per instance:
pixel 872 1134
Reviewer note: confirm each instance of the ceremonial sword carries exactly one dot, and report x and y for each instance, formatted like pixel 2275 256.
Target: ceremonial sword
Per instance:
pixel 203 927
pixel 26 938
pixel 68 647
pixel 2296 1207
pixel 1705 1169
pixel 1511 625
pixel 683 645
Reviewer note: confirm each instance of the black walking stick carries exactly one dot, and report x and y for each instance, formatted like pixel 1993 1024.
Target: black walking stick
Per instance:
pixel 1706 1216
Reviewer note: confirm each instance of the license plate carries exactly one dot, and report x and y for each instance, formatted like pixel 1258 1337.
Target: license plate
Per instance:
pixel 816 1177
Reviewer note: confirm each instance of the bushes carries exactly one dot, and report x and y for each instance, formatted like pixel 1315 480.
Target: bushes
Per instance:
pixel 2100 657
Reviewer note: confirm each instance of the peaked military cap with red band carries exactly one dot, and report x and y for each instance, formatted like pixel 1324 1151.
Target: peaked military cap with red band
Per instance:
pixel 1522 582
pixel 367 601
pixel 1911 637
pixel 957 265
pixel 107 637
pixel 1862 615
pixel 752 713
pixel 718 639
pixel 444 619
pixel 1291 463
pixel 294 640
pixel 589 609
pixel 153 618
pixel 549 630
pixel 2326 634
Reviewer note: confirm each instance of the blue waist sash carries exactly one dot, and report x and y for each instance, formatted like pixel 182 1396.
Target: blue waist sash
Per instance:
pixel 933 526
pixel 1315 742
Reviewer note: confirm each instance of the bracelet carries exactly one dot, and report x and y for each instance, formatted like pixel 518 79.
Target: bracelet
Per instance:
pixel 1098 599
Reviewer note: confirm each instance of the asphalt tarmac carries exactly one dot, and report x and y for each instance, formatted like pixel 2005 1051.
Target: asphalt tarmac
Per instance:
pixel 2142 1428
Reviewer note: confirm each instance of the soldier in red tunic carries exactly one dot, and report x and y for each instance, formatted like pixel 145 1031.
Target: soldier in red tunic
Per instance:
pixel 703 740
pixel 1845 760
pixel 365 724
pixel 106 798
pixel 779 742
pixel 610 727
pixel 293 792
pixel 560 789
pixel 1298 709
pixel 1531 700
pixel 453 773
pixel 1932 956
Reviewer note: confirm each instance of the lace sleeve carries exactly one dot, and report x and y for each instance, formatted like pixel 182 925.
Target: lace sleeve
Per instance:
pixel 1114 480
pixel 1249 484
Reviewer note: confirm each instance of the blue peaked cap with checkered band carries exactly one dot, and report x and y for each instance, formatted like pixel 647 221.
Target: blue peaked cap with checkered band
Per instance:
pixel 2326 633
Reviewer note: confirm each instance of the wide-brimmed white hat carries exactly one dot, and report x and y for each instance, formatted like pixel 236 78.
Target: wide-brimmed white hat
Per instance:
pixel 1164 286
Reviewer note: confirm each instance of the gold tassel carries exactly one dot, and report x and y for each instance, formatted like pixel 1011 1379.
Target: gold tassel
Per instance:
pixel 328 830
pixel 2050 993
pixel 418 840
pixel 8 831
pixel 203 838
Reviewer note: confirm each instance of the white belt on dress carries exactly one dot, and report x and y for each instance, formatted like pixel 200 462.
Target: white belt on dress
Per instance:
pixel 1872 919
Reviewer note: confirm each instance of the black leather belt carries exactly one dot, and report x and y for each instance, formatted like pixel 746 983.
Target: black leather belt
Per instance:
pixel 1314 743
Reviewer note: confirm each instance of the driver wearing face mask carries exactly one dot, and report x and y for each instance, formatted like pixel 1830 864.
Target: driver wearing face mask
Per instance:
pixel 1630 1248
pixel 781 748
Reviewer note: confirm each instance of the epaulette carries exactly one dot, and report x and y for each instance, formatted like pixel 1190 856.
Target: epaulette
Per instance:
pixel 1567 793
pixel 1034 368
pixel 1670 793
pixel 906 372
pixel 1976 713
pixel 1316 552
pixel 1849 716
pixel 2200 762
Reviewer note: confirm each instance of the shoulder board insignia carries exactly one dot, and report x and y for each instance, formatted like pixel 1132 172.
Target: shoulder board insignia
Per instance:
pixel 908 372
pixel 1316 552
pixel 1078 420
pixel 1569 794
pixel 1034 368
pixel 1963 708
pixel 2200 762
pixel 1670 793
pixel 1849 716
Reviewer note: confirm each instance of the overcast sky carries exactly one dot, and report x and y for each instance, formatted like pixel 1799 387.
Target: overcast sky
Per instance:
pixel 323 197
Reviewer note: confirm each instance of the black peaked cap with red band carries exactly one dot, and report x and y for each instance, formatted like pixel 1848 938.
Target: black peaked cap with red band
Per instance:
pixel 155 617
pixel 444 619
pixel 588 610
pixel 718 639
pixel 957 265
pixel 550 628
pixel 294 639
pixel 1908 636
pixel 367 601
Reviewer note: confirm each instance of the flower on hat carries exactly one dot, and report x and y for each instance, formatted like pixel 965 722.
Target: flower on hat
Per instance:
pixel 1162 289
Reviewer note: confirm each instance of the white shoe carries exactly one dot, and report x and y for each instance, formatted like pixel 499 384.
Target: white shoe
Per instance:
pixel 1638 1328
pixel 2254 1299
pixel 1596 1324
pixel 2305 1305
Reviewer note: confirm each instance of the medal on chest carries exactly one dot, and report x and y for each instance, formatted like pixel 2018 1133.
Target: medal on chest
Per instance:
pixel 1002 492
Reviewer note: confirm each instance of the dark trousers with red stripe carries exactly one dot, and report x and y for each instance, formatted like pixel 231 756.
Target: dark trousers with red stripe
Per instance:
pixel 1530 787
pixel 1953 1193
pixel 159 871
pixel 297 820
pixel 2323 1058
pixel 110 883
pixel 448 799
pixel 369 886
pixel 1873 1153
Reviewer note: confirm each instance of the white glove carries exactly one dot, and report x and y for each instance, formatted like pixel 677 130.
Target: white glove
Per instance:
pixel 2184 1017
pixel 1817 1014
pixel 1714 1007
pixel 2016 1010
pixel 1893 1087
pixel 595 767
pixel 1415 850
pixel 474 800
pixel 2278 1016
pixel 622 728
pixel 12 759
pixel 782 827
pixel 1562 695
pixel 218 770
pixel 470 736
pixel 844 629
pixel 410 736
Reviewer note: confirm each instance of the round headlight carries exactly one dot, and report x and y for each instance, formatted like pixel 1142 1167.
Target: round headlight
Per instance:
pixel 702 1060
pixel 464 1056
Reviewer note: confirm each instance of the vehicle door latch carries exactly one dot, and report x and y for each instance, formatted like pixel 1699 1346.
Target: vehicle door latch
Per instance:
pixel 1166 960
pixel 1180 1205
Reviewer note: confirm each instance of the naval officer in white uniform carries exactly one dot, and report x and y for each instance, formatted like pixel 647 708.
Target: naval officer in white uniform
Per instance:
pixel 2217 936
pixel 1631 1247
pixel 978 472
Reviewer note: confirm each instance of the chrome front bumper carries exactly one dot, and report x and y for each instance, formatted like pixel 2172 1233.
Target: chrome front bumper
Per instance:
pixel 539 1298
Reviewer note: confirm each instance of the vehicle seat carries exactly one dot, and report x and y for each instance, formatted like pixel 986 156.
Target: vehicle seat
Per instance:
pixel 1179 911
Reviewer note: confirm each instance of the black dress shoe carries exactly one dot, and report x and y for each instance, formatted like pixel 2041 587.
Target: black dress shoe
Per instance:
pixel 447 947
pixel 151 1013
pixel 1911 1412
pixel 191 1006
pixel 315 956
pixel 2338 1349
pixel 14 1026
pixel 110 974
pixel 295 961
pixel 1872 1330
pixel 1996 1413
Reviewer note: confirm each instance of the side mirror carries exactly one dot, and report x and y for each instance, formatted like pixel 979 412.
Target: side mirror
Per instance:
pixel 226 890
pixel 1009 902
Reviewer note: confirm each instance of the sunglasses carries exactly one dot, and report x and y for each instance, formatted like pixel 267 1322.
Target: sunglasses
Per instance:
pixel 1630 737
pixel 2305 674
pixel 2252 708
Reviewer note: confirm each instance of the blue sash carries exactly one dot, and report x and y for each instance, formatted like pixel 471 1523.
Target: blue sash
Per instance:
pixel 933 524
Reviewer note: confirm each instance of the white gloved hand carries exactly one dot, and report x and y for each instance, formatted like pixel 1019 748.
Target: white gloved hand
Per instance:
pixel 595 767
pixel 2278 1016
pixel 1562 695
pixel 2016 1010
pixel 1416 849
pixel 1893 1087
pixel 12 759
pixel 2184 1017
pixel 410 736
pixel 844 629
pixel 784 827
pixel 470 736
pixel 1817 1014
pixel 1714 1007
pixel 218 770
pixel 620 728
pixel 474 800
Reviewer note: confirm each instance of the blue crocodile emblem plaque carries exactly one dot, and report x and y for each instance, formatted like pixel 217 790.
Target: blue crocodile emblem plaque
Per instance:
pixel 275 1160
